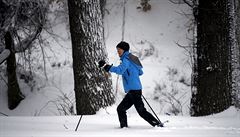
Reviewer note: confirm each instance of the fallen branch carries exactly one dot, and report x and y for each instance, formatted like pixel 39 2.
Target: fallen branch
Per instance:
pixel 3 114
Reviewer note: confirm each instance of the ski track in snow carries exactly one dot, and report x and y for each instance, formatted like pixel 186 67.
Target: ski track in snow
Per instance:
pixel 107 125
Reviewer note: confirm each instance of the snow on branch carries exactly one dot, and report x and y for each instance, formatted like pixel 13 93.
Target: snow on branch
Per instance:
pixel 24 19
pixel 26 43
pixel 4 55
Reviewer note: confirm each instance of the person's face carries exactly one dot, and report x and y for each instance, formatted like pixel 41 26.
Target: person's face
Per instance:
pixel 120 52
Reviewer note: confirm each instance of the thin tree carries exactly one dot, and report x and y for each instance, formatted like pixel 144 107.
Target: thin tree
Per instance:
pixel 93 89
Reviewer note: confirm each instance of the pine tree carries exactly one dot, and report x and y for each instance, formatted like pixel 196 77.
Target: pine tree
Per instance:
pixel 93 89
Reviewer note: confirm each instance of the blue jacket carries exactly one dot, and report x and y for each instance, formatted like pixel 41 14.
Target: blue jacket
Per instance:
pixel 130 72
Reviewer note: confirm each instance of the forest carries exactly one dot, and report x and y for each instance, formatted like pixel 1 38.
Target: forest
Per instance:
pixel 26 34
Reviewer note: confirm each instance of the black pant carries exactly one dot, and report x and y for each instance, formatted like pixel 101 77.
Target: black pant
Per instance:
pixel 133 97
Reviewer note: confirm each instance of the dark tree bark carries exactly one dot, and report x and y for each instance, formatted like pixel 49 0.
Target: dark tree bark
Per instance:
pixel 102 6
pixel 237 4
pixel 237 15
pixel 14 94
pixel 92 89
pixel 213 80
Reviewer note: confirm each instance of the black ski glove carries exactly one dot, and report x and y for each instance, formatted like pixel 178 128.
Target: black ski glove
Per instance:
pixel 101 63
pixel 107 67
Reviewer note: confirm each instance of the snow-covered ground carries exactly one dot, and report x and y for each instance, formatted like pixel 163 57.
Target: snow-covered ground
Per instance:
pixel 225 124
pixel 152 36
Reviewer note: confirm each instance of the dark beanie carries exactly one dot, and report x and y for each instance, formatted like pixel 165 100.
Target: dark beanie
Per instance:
pixel 123 45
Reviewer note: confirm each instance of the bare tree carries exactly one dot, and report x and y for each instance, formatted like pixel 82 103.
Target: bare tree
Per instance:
pixel 21 23
pixel 92 89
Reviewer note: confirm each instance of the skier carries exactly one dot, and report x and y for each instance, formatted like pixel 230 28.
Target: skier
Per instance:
pixel 130 69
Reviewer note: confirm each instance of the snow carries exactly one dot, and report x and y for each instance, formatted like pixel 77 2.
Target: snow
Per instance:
pixel 225 124
pixel 4 54
pixel 152 36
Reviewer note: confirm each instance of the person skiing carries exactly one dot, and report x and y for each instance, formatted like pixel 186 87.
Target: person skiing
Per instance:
pixel 130 69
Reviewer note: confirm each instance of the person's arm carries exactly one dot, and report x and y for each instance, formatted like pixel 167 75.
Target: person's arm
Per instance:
pixel 120 69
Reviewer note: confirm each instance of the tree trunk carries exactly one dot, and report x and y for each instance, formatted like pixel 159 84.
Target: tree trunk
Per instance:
pixel 93 89
pixel 102 6
pixel 237 15
pixel 213 81
pixel 14 94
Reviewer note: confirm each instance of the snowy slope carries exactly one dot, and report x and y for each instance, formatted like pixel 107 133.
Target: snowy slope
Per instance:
pixel 152 36
pixel 225 124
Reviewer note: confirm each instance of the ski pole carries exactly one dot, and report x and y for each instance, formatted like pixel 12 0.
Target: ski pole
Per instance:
pixel 78 122
pixel 151 109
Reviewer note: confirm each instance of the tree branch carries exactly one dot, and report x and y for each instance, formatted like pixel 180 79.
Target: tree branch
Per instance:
pixel 26 43
pixel 3 114
pixel 188 3
pixel 4 55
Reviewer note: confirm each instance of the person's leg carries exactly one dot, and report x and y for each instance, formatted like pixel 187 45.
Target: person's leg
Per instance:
pixel 139 105
pixel 125 104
